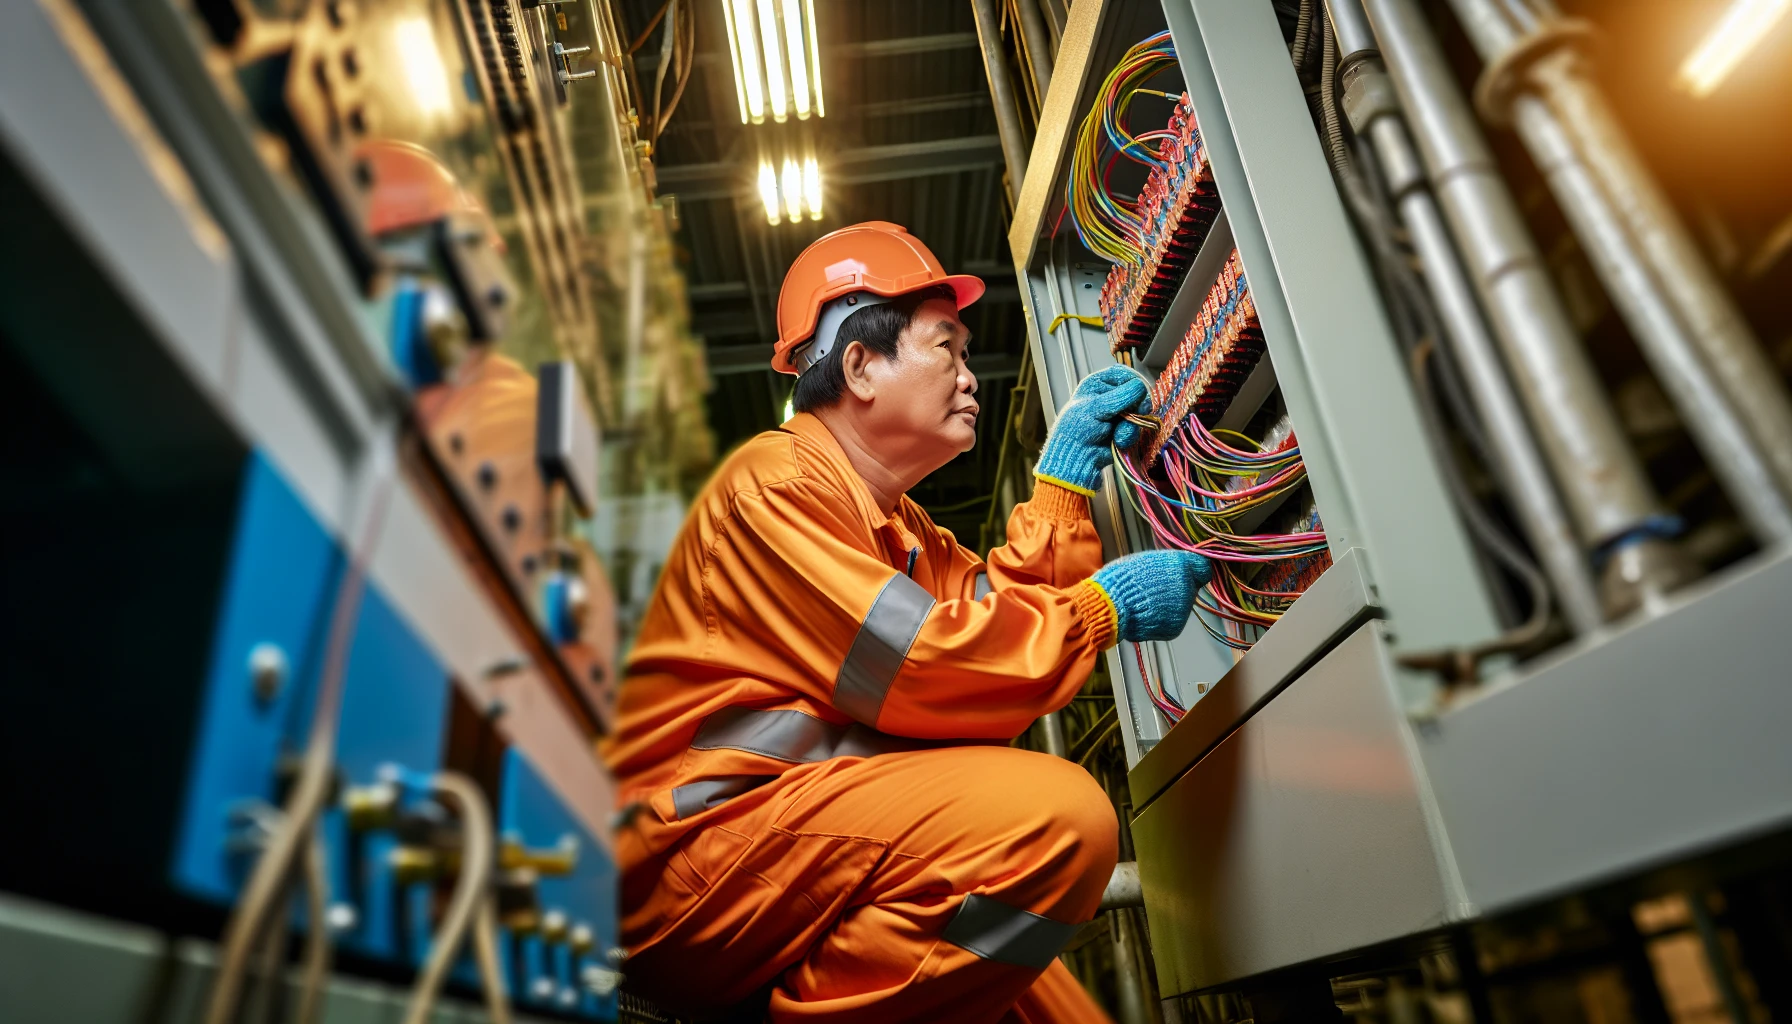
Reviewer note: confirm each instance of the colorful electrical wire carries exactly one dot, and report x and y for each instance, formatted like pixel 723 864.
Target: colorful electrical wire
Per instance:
pixel 1108 225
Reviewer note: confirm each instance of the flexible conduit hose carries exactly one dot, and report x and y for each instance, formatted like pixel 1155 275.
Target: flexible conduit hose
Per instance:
pixel 267 883
pixel 472 897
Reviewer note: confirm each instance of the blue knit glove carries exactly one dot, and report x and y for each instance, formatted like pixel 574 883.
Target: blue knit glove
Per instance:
pixel 1153 591
pixel 1077 449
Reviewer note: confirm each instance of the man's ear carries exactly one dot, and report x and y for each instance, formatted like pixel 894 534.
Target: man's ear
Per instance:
pixel 855 366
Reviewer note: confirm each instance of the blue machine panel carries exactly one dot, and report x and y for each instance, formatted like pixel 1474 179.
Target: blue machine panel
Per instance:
pixel 532 813
pixel 282 574
pixel 277 603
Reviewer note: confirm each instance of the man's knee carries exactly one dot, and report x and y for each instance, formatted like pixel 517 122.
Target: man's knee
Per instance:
pixel 1076 835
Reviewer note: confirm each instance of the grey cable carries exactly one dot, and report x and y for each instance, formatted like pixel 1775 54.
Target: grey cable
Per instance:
pixel 317 939
pixel 471 890
pixel 485 951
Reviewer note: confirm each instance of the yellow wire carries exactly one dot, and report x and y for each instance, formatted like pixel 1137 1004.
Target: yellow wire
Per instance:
pixel 1090 321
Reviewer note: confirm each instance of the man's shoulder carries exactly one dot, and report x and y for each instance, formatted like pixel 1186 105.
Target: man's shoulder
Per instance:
pixel 773 459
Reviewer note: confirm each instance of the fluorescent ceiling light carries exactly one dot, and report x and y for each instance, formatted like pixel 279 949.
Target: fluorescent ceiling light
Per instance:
pixel 740 88
pixel 812 187
pixel 821 109
pixel 793 190
pixel 745 43
pixel 1735 34
pixel 774 60
pixel 799 63
pixel 768 192
pixel 777 59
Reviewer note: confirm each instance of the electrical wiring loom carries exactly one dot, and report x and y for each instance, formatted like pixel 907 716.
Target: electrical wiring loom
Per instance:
pixel 1152 237
pixel 1222 492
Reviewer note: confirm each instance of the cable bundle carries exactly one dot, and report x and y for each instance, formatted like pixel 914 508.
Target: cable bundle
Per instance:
pixel 1176 209
pixel 1220 349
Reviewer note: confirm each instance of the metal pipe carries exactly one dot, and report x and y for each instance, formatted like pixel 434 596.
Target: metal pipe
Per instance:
pixel 1001 92
pixel 1123 889
pixel 1719 432
pixel 1713 324
pixel 1051 733
pixel 1039 46
pixel 1600 477
pixel 1518 463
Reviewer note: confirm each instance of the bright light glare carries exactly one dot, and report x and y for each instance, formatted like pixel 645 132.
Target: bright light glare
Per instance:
pixel 799 65
pixel 423 68
pixel 740 89
pixel 768 192
pixel 1736 33
pixel 812 187
pixel 774 60
pixel 821 109
pixel 793 190
pixel 746 52
pixel 789 407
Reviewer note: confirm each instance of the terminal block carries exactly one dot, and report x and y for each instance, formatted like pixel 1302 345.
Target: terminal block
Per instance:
pixel 1220 349
pixel 1177 206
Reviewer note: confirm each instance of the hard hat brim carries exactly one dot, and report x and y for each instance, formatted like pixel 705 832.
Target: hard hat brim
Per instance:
pixel 967 288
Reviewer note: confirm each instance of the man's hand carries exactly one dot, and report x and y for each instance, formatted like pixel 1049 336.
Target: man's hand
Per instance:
pixel 1153 591
pixel 1077 449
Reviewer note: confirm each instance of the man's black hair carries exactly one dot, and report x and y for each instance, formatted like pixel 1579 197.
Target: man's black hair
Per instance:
pixel 879 327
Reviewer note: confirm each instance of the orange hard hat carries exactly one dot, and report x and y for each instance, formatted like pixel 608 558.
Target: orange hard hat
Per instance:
pixel 413 187
pixel 875 258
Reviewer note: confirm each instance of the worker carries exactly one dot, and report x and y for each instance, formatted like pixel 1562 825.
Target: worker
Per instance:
pixel 825 820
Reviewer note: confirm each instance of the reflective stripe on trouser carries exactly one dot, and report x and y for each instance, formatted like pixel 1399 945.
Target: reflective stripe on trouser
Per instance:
pixel 925 885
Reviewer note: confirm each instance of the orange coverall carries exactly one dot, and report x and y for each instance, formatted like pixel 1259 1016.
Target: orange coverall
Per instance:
pixel 795 633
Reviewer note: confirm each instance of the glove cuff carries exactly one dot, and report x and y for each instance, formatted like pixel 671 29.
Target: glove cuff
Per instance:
pixel 1101 617
pixel 1057 503
pixel 1041 474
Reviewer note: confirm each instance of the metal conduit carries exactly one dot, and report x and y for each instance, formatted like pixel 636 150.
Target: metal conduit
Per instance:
pixel 1723 337
pixel 1600 477
pixel 1684 366
pixel 1519 463
pixel 1001 92
pixel 1039 45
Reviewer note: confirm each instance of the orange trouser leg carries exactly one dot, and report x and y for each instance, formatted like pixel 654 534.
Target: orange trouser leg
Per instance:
pixel 838 886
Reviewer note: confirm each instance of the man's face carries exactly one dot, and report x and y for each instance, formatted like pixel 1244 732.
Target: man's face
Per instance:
pixel 925 405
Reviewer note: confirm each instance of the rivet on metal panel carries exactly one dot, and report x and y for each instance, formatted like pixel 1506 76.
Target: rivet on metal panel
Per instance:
pixel 268 669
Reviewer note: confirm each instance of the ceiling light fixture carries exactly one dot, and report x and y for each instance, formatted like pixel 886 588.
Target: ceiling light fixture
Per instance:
pixel 1740 29
pixel 812 187
pixel 768 192
pixel 777 59
pixel 793 190
pixel 743 43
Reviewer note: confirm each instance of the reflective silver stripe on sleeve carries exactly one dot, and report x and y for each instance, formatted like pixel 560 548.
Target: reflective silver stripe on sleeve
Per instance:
pixel 996 931
pixel 702 795
pixel 876 655
pixel 785 735
pixel 981 587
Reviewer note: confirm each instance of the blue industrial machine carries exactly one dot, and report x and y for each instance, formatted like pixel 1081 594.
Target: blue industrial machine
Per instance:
pixel 304 642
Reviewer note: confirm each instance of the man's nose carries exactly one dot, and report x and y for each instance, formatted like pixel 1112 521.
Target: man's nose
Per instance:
pixel 967 381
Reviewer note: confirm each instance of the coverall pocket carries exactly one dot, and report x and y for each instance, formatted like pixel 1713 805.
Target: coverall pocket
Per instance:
pixel 764 911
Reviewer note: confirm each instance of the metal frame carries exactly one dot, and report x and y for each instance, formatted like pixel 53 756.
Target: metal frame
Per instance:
pixel 1319 802
pixel 1330 349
